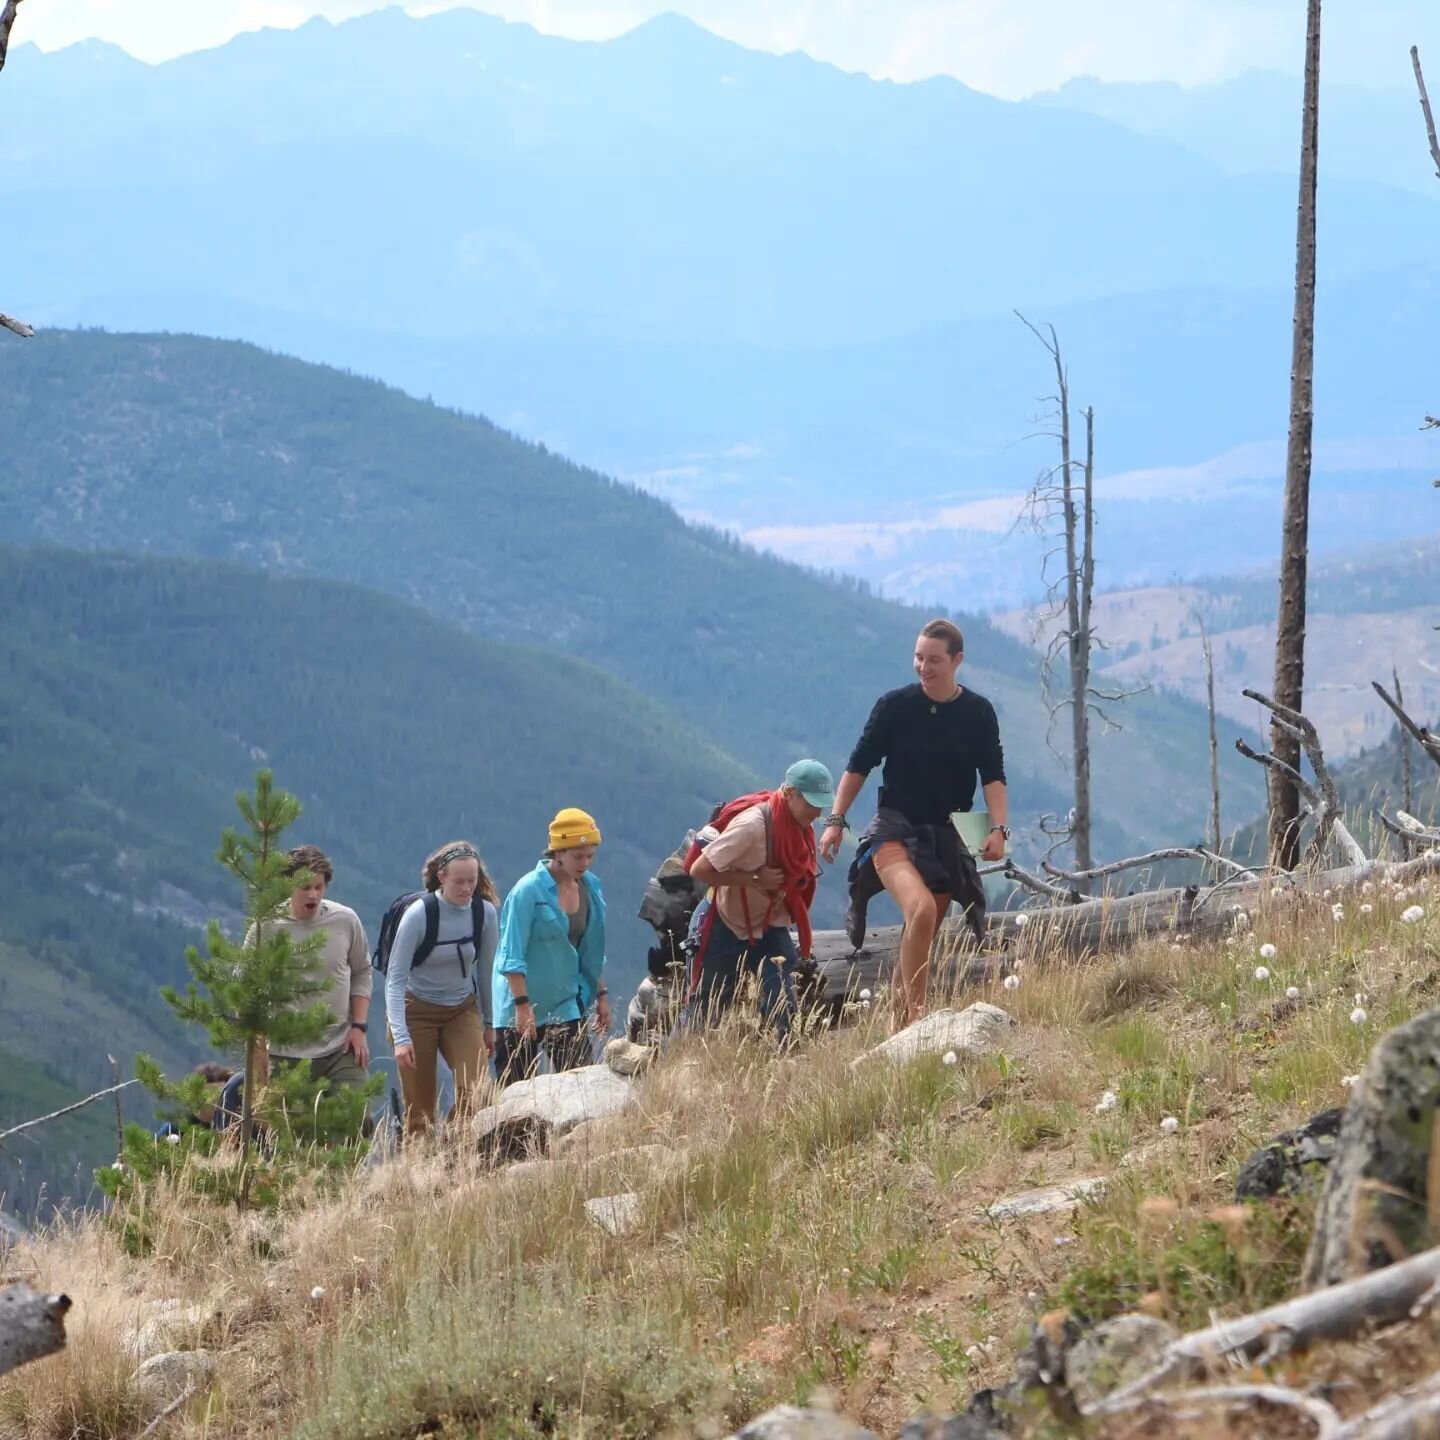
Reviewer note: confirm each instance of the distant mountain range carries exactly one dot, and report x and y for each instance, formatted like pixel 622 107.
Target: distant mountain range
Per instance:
pixel 776 294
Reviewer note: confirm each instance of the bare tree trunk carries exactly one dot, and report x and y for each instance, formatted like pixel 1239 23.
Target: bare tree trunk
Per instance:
pixel 1284 837
pixel 1080 655
pixel 1425 108
pixel 7 20
pixel 1214 739
pixel 1406 779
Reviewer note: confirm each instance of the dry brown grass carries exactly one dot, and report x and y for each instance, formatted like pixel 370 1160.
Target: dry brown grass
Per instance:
pixel 807 1225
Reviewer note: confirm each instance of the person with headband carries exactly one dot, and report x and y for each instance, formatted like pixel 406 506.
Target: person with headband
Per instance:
pixel 431 991
pixel 550 968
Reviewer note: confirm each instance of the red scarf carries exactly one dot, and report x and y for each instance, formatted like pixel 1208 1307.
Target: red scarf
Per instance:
pixel 792 848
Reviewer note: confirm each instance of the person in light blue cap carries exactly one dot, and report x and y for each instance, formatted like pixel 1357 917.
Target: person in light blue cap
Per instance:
pixel 762 868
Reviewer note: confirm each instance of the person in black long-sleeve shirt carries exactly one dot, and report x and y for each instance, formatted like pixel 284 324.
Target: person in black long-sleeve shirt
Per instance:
pixel 935 739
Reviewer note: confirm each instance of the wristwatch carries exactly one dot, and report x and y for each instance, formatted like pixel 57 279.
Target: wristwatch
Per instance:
pixel 1003 829
pixel 359 1025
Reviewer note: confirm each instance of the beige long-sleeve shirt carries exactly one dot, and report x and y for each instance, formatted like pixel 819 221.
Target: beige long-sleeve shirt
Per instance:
pixel 344 959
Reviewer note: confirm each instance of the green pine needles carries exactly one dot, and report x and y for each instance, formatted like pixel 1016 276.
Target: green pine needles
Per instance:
pixel 246 994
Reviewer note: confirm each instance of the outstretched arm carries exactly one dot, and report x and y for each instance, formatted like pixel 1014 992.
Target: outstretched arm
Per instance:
pixel 851 783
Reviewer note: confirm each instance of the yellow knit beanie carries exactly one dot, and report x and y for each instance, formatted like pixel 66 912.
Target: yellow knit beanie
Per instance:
pixel 572 828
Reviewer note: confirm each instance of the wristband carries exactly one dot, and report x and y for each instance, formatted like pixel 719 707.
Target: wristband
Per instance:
pixel 839 820
pixel 601 991
pixel 521 1000
pixel 359 1025
pixel 1003 829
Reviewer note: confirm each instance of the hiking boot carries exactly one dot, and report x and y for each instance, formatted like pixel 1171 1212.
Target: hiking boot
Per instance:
pixel 855 921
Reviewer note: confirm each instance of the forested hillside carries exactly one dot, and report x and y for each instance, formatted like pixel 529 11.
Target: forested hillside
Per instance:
pixel 136 696
pixel 178 445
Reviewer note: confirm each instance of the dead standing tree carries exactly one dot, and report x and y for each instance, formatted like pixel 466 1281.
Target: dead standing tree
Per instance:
pixel 1053 498
pixel 1284 836
pixel 7 22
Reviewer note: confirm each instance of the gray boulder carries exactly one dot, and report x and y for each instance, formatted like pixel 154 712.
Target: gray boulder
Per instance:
pixel 1114 1353
pixel 973 1031
pixel 1048 1200
pixel 1375 1207
pixel 530 1113
pixel 162 1377
pixel 1292 1161
pixel 790 1422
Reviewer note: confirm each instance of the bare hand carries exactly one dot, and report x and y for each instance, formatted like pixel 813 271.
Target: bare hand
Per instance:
pixel 405 1056
pixel 490 1042
pixel 358 1044
pixel 525 1021
pixel 830 843
pixel 994 846
pixel 770 878
pixel 602 1015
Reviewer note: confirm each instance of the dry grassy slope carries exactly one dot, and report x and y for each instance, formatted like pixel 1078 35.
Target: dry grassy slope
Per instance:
pixel 1344 653
pixel 813 1225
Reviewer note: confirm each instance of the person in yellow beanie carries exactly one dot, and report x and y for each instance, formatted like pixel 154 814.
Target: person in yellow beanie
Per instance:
pixel 550 966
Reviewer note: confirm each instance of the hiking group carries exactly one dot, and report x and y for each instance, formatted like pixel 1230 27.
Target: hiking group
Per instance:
pixel 490 988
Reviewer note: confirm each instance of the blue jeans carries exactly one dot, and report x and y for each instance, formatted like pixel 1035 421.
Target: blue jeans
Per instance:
pixel 727 957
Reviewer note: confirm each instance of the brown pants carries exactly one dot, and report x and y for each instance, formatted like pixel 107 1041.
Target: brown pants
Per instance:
pixel 454 1031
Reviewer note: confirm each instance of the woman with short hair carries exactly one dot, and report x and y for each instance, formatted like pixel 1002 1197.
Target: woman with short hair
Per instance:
pixel 550 967
pixel 433 979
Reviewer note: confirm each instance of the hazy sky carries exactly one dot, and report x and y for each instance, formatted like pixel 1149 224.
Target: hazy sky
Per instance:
pixel 1008 47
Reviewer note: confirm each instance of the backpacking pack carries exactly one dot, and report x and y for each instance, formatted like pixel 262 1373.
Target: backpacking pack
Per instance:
pixel 727 812
pixel 391 923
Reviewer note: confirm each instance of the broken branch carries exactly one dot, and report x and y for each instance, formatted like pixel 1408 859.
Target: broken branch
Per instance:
pixel 1332 1314
pixel 65 1109
pixel 1177 852
pixel 1428 740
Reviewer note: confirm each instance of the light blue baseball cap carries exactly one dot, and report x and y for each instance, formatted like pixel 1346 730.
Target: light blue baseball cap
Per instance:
pixel 813 781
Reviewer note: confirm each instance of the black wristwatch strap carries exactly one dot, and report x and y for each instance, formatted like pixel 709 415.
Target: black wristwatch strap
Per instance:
pixel 360 1025
pixel 521 1000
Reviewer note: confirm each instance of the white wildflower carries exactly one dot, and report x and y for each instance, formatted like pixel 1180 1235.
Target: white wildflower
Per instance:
pixel 1326 895
pixel 949 1058
pixel 866 995
pixel 118 1165
pixel 1337 913
pixel 1367 909
pixel 1267 951
pixel 1358 1015
pixel 1021 921
pixel 318 1293
pixel 1348 1080
pixel 1012 982
pixel 1414 915
pixel 1277 892
pixel 1367 888
pixel 173 1138
pixel 1108 1101
pixel 1262 972
pixel 1292 992
pixel 1241 920
pixel 1169 1125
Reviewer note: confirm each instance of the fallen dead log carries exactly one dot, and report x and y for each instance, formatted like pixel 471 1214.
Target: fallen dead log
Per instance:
pixel 1336 1313
pixel 1107 923
pixel 31 1326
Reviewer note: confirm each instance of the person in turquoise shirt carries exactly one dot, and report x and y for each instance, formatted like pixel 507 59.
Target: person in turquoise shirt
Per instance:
pixel 550 966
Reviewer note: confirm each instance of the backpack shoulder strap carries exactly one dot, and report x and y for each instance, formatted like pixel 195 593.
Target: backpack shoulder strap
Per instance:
pixel 769 834
pixel 431 902
pixel 477 922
